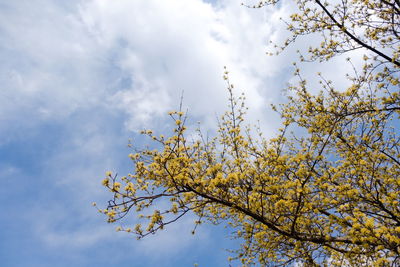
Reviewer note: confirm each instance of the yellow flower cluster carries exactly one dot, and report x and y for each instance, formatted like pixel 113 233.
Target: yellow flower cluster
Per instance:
pixel 333 192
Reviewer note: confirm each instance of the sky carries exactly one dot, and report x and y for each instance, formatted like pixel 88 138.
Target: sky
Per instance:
pixel 81 77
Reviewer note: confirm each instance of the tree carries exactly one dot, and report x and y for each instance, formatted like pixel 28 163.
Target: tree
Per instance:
pixel 329 197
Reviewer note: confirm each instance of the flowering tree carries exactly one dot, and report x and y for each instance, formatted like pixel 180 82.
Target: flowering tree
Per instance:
pixel 329 197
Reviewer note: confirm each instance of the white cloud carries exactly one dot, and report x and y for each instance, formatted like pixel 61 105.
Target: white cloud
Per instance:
pixel 167 47
pixel 75 239
pixel 139 56
pixel 50 65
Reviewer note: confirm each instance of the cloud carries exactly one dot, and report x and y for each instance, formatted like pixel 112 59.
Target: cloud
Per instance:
pixel 50 65
pixel 139 56
pixel 169 47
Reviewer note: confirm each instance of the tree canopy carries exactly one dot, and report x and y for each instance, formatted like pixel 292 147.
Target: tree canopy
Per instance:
pixel 329 196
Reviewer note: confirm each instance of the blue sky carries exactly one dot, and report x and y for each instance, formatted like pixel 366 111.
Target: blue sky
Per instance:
pixel 79 78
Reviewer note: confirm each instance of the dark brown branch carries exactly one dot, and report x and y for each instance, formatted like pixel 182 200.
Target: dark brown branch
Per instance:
pixel 354 38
